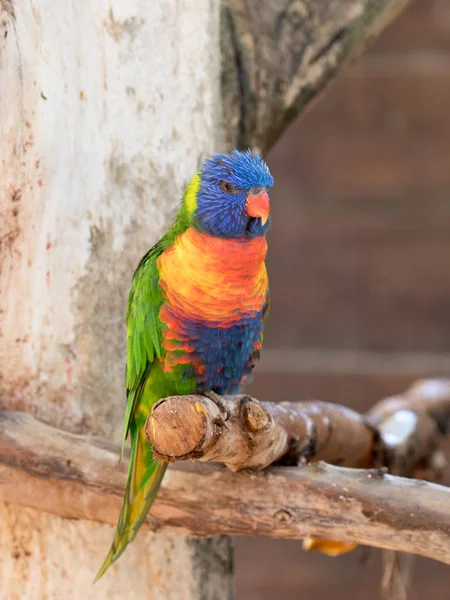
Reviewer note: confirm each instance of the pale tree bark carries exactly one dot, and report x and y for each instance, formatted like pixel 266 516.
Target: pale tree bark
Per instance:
pixel 106 110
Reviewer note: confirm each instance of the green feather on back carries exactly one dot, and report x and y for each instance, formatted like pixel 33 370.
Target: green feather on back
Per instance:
pixel 145 384
pixel 143 330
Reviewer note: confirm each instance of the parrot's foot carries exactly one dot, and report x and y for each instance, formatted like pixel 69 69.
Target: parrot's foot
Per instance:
pixel 218 400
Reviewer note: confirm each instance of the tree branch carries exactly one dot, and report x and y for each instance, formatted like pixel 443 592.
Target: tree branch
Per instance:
pixel 80 477
pixel 243 433
pixel 277 56
pixel 402 433
pixel 411 426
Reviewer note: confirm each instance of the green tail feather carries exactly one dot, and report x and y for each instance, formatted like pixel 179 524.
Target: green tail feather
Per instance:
pixel 144 478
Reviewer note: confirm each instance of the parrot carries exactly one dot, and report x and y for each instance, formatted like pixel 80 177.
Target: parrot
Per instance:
pixel 196 312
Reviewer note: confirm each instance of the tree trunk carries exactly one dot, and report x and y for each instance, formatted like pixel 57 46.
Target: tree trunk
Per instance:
pixel 106 109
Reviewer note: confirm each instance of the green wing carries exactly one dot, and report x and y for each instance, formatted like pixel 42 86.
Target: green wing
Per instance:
pixel 144 345
pixel 143 330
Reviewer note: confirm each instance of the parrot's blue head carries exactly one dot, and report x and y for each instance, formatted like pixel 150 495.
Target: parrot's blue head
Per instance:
pixel 229 197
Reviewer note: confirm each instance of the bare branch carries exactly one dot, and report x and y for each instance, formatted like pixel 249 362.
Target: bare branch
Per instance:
pixel 404 435
pixel 412 426
pixel 80 477
pixel 429 396
pixel 277 56
pixel 243 433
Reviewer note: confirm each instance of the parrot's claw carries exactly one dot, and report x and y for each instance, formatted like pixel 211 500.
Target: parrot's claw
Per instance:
pixel 218 400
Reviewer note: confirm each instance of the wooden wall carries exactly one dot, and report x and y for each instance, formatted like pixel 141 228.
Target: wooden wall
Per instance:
pixel 359 264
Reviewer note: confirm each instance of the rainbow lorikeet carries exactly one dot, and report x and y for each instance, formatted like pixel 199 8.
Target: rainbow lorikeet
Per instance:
pixel 195 312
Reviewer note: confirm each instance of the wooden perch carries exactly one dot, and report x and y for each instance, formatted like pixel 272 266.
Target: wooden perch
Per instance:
pixel 243 433
pixel 411 427
pixel 81 477
pixel 402 433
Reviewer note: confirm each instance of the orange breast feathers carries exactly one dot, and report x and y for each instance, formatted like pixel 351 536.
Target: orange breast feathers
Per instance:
pixel 214 280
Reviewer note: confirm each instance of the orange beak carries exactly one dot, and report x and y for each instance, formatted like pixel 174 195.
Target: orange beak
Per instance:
pixel 258 206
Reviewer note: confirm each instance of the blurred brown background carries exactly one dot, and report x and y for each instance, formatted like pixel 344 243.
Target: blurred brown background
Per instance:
pixel 360 270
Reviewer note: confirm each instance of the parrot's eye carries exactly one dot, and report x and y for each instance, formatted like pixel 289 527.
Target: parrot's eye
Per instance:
pixel 227 187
